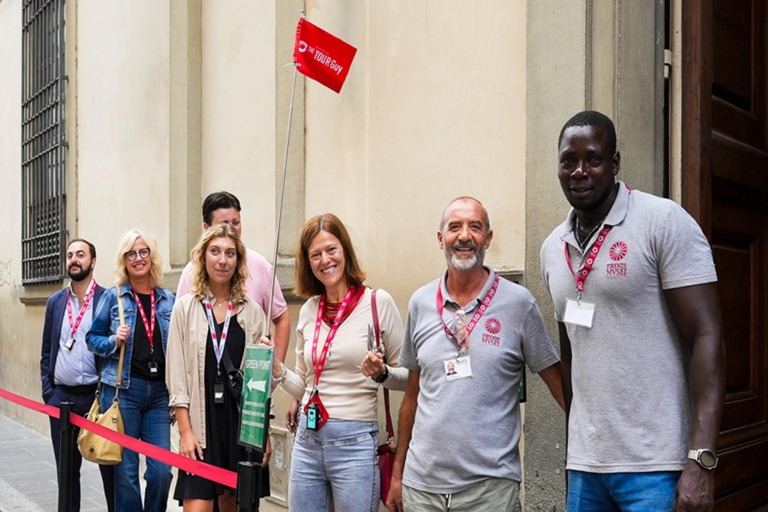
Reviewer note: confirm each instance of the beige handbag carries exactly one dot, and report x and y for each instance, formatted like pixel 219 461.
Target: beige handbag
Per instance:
pixel 94 447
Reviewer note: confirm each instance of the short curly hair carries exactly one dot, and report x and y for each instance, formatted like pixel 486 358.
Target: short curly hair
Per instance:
pixel 591 118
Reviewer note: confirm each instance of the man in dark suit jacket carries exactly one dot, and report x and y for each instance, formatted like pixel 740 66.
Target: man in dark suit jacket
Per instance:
pixel 69 372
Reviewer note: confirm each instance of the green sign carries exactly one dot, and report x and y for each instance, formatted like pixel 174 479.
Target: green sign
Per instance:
pixel 257 381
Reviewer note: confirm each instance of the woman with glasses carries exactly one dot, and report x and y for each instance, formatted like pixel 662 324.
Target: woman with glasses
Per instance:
pixel 338 372
pixel 143 396
pixel 210 328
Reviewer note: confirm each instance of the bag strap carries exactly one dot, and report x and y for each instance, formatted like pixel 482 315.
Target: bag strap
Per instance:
pixel 122 347
pixel 228 366
pixel 377 331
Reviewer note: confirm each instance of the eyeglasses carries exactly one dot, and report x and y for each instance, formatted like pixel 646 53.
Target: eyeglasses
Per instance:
pixel 142 253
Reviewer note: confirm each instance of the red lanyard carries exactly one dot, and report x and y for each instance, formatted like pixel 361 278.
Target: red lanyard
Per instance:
pixel 475 318
pixel 86 302
pixel 218 349
pixel 150 328
pixel 581 277
pixel 336 321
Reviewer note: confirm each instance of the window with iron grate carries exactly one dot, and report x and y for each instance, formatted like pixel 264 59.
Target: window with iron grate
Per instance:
pixel 43 143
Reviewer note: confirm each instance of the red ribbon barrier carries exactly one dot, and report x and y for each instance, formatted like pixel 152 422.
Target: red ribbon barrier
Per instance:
pixel 201 469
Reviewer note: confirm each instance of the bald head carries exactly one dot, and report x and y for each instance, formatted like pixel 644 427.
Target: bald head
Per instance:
pixel 465 199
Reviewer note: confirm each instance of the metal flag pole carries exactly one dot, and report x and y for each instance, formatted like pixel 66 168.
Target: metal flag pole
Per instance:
pixel 282 199
pixel 249 472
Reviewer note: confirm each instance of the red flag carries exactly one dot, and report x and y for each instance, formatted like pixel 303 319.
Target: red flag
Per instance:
pixel 322 56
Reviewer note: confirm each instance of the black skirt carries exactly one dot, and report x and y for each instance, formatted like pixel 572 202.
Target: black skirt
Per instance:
pixel 222 422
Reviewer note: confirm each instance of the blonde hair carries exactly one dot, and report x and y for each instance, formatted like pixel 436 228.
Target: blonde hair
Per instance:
pixel 199 273
pixel 155 260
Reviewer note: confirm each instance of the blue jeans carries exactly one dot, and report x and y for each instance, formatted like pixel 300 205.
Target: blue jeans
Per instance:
pixel 144 407
pixel 621 492
pixel 338 460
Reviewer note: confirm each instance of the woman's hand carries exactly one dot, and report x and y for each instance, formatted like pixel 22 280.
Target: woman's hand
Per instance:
pixel 292 416
pixel 373 365
pixel 189 446
pixel 277 366
pixel 267 454
pixel 122 334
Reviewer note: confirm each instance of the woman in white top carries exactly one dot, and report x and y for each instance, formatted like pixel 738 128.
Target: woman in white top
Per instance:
pixel 338 372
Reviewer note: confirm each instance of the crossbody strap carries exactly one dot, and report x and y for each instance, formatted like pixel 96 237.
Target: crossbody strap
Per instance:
pixel 122 348
pixel 377 331
pixel 229 367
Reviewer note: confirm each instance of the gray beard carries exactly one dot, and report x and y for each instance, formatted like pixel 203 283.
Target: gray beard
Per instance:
pixel 464 264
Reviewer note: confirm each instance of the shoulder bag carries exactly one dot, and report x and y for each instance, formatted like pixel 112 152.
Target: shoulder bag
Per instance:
pixel 93 447
pixel 386 451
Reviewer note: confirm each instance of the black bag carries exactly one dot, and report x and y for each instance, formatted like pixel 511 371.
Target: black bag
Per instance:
pixel 234 378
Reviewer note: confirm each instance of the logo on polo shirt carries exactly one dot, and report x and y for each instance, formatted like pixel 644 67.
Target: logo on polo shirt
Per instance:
pixel 493 326
pixel 618 251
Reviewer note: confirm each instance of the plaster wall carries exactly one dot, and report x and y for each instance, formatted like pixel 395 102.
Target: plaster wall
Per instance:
pixel 238 112
pixel 433 108
pixel 122 126
pixel 19 324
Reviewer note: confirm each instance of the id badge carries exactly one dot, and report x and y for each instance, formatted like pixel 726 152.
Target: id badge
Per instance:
pixel 70 343
pixel 316 413
pixel 152 367
pixel 218 393
pixel 458 368
pixel 579 313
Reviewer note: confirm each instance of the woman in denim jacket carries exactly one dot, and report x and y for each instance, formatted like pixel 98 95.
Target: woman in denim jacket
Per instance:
pixel 143 395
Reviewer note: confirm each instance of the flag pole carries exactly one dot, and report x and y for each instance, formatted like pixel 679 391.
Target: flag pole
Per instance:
pixel 282 199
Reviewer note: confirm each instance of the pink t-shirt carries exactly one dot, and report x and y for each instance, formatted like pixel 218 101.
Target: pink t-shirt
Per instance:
pixel 257 286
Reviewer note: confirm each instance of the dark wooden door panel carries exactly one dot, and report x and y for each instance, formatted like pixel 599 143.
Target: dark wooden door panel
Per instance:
pixel 739 243
pixel 736 162
pixel 725 187
pixel 738 74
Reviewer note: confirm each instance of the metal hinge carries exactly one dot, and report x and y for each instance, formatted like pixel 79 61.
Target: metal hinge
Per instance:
pixel 667 62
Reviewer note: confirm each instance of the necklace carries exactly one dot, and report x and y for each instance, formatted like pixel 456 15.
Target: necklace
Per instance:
pixel 583 241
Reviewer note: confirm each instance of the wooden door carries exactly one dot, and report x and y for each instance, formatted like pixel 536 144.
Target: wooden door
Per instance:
pixel 725 187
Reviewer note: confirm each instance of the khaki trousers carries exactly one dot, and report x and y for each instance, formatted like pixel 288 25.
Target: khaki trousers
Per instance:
pixel 491 495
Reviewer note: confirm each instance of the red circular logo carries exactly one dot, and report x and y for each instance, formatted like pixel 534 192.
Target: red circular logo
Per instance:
pixel 618 251
pixel 493 326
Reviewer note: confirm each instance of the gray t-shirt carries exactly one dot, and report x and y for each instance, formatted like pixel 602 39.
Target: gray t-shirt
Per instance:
pixel 631 410
pixel 467 430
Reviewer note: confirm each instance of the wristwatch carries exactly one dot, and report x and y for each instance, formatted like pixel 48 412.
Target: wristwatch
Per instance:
pixel 381 378
pixel 706 458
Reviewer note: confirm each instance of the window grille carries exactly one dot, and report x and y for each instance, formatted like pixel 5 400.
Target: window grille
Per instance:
pixel 43 142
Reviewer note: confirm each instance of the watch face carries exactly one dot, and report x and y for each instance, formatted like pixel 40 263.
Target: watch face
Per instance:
pixel 707 459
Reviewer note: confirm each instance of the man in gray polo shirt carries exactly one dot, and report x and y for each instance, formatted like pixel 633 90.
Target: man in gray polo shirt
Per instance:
pixel 632 279
pixel 468 338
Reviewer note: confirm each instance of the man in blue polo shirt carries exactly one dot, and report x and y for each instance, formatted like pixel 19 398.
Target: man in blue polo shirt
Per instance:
pixel 68 370
pixel 468 339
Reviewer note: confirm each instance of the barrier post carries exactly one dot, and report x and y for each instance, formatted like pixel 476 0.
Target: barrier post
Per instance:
pixel 249 474
pixel 66 455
